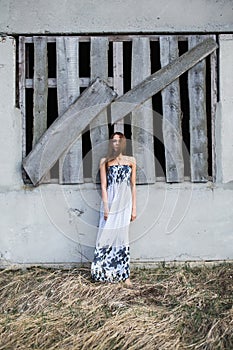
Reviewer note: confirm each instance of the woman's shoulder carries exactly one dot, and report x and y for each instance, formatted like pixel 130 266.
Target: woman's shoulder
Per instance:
pixel 130 160
pixel 103 161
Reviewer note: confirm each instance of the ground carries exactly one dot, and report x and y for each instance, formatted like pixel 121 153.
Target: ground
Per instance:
pixel 169 308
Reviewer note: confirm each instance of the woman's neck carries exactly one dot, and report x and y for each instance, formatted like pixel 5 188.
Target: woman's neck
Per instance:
pixel 119 158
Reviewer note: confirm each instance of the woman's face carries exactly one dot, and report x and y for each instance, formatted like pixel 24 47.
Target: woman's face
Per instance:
pixel 116 143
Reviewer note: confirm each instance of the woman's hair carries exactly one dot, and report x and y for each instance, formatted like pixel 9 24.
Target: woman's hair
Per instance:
pixel 111 153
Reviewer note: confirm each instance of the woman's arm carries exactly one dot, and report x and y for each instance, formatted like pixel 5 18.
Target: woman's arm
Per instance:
pixel 103 181
pixel 133 189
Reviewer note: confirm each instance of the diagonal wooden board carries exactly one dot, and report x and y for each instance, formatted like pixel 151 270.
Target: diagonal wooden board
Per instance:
pixel 65 129
pixel 160 79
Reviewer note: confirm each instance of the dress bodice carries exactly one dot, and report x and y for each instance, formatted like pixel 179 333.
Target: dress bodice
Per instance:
pixel 117 174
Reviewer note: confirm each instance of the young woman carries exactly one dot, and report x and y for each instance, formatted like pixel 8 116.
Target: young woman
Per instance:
pixel 118 208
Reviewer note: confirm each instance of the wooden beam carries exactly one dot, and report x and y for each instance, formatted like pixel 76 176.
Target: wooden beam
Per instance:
pixel 118 77
pixel 214 89
pixel 70 164
pixel 66 128
pixel 160 79
pixel 142 117
pixel 22 92
pixel 114 38
pixel 198 118
pixel 52 82
pixel 99 126
pixel 22 96
pixel 172 132
pixel 40 95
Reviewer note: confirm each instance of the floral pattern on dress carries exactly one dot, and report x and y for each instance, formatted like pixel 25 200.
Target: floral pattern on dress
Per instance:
pixel 111 264
pixel 118 174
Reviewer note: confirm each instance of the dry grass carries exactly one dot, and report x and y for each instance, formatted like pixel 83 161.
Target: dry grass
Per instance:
pixel 170 308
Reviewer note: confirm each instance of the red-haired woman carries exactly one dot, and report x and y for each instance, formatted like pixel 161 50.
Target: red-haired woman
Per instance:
pixel 118 208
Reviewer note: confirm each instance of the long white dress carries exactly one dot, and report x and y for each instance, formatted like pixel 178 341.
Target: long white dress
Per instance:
pixel 112 256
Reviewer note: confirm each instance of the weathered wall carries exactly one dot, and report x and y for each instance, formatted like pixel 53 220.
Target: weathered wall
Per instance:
pixel 92 16
pixel 224 118
pixel 10 131
pixel 58 224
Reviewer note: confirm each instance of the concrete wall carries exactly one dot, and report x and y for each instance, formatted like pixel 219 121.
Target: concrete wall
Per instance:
pixel 58 224
pixel 92 16
pixel 224 118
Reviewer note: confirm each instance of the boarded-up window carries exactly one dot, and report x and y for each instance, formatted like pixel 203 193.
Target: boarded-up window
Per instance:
pixel 173 130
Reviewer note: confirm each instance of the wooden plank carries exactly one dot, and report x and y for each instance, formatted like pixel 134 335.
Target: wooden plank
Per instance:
pixel 115 38
pixel 160 79
pixel 213 69
pixel 52 82
pixel 70 164
pixel 99 126
pixel 198 118
pixel 40 95
pixel 172 132
pixel 22 96
pixel 142 117
pixel 65 129
pixel 118 78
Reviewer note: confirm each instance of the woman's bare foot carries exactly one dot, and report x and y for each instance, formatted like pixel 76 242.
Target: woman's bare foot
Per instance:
pixel 128 283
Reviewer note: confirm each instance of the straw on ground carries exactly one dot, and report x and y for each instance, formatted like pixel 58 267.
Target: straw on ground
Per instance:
pixel 169 308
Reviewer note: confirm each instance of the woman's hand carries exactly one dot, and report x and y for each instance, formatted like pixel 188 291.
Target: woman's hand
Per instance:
pixel 103 180
pixel 133 188
pixel 106 212
pixel 133 215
